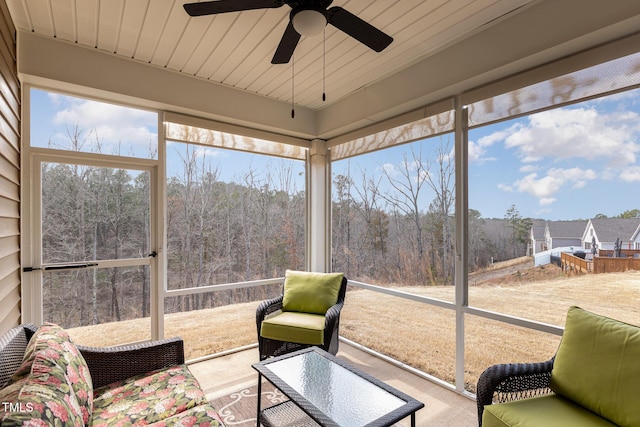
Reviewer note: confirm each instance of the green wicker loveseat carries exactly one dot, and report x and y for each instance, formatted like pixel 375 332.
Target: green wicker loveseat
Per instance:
pixel 593 380
pixel 46 380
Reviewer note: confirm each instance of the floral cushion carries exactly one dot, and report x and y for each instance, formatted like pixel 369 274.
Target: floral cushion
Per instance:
pixel 201 416
pixel 147 398
pixel 52 386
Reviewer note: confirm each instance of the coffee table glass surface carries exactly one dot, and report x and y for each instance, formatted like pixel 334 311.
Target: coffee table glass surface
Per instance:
pixel 335 393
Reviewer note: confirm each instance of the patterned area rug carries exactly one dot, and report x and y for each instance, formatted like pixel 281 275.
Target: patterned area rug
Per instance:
pixel 239 408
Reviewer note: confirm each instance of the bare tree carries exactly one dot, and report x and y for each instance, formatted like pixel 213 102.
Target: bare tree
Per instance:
pixel 342 219
pixel 441 182
pixel 407 183
pixel 372 239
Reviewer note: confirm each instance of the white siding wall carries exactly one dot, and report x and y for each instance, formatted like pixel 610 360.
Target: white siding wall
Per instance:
pixel 10 117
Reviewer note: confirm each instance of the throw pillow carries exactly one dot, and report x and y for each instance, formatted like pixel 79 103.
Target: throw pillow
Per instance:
pixel 53 378
pixel 597 366
pixel 309 292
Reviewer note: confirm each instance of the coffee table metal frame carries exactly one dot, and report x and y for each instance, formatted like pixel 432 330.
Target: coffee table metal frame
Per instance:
pixel 409 408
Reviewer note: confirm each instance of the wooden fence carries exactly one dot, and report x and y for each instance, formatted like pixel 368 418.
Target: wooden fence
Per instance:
pixel 624 253
pixel 569 262
pixel 613 265
pixel 600 264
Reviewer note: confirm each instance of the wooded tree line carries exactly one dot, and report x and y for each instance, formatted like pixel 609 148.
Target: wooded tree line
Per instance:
pixel 252 227
pixel 217 232
pixel 221 232
pixel 383 234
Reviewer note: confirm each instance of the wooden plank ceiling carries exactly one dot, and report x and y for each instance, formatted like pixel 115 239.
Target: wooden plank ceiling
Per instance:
pixel 235 49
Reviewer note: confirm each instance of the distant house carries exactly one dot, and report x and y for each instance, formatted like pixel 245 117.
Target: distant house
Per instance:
pixel 564 233
pixel 570 236
pixel 607 230
pixel 537 241
pixel 635 238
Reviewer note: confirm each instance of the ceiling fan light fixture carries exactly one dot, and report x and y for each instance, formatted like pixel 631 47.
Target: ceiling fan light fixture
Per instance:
pixel 309 22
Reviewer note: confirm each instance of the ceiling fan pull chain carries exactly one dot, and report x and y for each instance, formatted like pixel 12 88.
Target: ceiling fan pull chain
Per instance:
pixel 324 63
pixel 293 86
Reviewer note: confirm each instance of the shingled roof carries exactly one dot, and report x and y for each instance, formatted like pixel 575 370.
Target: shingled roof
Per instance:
pixel 610 229
pixel 573 229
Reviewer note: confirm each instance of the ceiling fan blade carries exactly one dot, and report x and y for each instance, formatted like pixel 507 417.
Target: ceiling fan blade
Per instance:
pixel 360 30
pixel 287 45
pixel 223 6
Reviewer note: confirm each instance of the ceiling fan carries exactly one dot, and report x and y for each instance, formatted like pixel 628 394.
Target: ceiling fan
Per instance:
pixel 307 17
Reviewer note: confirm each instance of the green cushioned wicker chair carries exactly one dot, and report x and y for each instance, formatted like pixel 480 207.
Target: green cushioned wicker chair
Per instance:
pixel 306 314
pixel 593 380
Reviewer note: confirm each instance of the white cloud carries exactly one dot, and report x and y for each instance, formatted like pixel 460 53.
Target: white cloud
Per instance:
pixel 578 133
pixel 538 187
pixel 477 153
pixel 545 201
pixel 546 187
pixel 110 124
pixel 631 174
pixel 590 144
pixel 528 168
pixel 505 188
pixel 478 150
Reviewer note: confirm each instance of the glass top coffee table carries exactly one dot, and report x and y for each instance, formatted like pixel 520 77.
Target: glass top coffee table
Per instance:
pixel 324 390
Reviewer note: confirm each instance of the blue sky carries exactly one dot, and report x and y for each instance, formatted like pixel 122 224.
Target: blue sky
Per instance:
pixel 568 163
pixel 119 129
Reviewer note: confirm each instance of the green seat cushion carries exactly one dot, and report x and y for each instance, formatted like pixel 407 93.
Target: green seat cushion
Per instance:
pixel 301 328
pixel 547 411
pixel 309 292
pixel 597 366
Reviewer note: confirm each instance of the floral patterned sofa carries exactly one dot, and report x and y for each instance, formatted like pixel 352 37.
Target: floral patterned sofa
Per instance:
pixel 46 380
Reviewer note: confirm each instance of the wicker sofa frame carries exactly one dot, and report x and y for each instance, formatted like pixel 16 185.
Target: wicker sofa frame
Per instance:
pixel 512 381
pixel 269 347
pixel 108 365
pixel 117 378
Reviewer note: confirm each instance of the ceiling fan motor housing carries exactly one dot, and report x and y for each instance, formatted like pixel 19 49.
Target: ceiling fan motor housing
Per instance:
pixel 308 21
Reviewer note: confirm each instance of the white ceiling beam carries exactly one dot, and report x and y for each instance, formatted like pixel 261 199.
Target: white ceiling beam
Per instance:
pixel 91 72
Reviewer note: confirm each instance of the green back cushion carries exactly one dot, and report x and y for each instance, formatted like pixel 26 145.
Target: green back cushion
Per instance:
pixel 598 366
pixel 308 292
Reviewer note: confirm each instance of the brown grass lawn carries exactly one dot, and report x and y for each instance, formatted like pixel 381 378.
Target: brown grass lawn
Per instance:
pixel 421 335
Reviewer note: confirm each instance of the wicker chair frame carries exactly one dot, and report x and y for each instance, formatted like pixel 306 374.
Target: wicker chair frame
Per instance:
pixel 514 381
pixel 269 347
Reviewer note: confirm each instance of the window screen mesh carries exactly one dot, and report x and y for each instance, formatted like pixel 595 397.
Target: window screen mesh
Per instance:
pixel 215 138
pixel 435 124
pixel 608 77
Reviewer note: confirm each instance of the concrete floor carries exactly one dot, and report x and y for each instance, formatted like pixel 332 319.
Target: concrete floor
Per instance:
pixel 224 375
